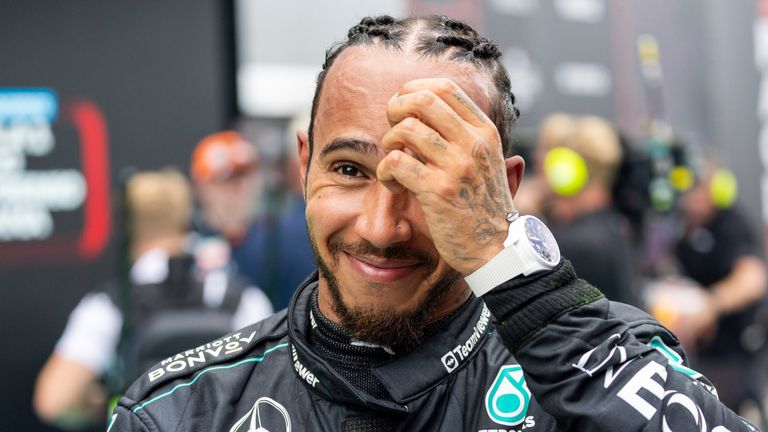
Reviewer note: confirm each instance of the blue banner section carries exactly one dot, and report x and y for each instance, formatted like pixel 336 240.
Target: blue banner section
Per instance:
pixel 28 105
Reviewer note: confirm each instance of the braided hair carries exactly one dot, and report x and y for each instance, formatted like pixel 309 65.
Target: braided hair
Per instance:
pixel 437 37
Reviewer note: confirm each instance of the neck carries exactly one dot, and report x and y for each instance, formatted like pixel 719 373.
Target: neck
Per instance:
pixel 329 326
pixel 386 319
pixel 450 302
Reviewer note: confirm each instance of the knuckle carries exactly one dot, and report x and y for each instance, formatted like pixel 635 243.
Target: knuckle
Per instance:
pixel 445 189
pixel 465 168
pixel 494 135
pixel 425 97
pixel 409 125
pixel 435 138
pixel 489 133
pixel 393 158
pixel 392 104
pixel 382 170
pixel 445 87
pixel 487 139
pixel 388 163
pixel 390 139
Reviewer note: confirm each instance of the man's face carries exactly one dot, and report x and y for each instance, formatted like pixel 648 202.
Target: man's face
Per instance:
pixel 229 205
pixel 381 275
pixel 697 204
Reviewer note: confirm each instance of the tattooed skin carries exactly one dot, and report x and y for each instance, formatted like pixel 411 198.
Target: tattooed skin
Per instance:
pixel 493 202
pixel 471 106
pixel 462 182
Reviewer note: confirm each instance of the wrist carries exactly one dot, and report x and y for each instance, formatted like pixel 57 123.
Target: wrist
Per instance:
pixel 525 304
pixel 489 251
pixel 529 248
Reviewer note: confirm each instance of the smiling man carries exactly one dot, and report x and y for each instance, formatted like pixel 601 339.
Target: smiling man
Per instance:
pixel 408 178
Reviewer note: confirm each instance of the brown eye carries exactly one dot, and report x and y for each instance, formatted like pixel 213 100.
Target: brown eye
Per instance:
pixel 349 170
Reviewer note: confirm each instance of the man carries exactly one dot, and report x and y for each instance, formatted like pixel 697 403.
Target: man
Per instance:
pixel 590 231
pixel 70 391
pixel 553 132
pixel 227 183
pixel 409 203
pixel 718 251
pixel 271 250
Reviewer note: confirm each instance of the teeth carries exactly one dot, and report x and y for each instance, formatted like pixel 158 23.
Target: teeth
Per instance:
pixel 385 264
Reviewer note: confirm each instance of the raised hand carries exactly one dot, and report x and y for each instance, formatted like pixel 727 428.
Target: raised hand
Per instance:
pixel 445 150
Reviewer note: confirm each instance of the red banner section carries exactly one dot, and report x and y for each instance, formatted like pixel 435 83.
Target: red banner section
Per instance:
pixel 51 211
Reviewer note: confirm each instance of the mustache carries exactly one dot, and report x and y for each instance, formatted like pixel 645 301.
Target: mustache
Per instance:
pixel 365 248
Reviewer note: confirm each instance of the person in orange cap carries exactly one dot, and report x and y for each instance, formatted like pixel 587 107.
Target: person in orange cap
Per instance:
pixel 270 249
pixel 227 182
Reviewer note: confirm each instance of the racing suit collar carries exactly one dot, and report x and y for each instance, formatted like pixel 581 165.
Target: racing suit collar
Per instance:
pixel 407 375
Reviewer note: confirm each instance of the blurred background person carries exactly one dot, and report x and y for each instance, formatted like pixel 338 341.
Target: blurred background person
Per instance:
pixel 553 132
pixel 296 260
pixel 224 169
pixel 580 160
pixel 720 256
pixel 167 302
pixel 269 245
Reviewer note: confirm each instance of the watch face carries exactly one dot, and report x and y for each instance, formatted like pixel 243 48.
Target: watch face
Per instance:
pixel 542 240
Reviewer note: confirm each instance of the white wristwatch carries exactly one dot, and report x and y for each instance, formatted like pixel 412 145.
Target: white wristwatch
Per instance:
pixel 529 248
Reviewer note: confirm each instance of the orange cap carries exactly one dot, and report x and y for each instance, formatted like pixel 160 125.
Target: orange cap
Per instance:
pixel 222 155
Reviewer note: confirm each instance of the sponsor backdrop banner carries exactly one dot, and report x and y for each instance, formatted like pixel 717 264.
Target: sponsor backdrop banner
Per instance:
pixel 86 90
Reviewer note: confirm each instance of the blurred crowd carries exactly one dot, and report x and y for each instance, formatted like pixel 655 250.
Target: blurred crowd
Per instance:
pixel 658 230
pixel 200 256
pixel 656 224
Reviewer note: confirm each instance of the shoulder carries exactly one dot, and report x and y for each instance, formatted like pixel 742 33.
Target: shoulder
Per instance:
pixel 626 321
pixel 614 311
pixel 95 305
pixel 595 321
pixel 730 216
pixel 636 319
pixel 731 222
pixel 249 344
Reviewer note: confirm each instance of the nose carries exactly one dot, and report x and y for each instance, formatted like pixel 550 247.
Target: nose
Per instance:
pixel 383 220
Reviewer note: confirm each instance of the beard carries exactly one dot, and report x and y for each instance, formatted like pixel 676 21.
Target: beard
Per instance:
pixel 384 324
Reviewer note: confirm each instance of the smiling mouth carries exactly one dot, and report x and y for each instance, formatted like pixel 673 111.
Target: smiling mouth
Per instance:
pixel 383 270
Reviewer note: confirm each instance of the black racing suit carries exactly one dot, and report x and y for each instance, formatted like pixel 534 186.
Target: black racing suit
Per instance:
pixel 559 358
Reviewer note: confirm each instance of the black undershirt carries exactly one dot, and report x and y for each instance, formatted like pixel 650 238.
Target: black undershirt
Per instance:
pixel 355 362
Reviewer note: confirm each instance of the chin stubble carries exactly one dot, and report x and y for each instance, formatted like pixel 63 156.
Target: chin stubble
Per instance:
pixel 383 324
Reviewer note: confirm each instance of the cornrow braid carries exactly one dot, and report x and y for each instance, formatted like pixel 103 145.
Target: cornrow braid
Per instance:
pixel 456 26
pixel 437 37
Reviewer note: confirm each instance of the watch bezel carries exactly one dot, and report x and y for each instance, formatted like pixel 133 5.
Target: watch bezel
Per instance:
pixel 530 251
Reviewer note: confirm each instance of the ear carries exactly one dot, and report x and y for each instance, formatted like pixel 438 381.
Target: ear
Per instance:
pixel 302 145
pixel 515 167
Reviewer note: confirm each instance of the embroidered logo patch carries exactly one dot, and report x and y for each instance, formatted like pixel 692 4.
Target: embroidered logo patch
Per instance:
pixel 508 398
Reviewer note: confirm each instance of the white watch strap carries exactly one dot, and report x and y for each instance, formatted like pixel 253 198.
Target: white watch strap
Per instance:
pixel 501 268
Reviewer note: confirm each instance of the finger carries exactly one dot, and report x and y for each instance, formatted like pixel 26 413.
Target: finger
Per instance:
pixel 399 167
pixel 453 95
pixel 426 145
pixel 432 111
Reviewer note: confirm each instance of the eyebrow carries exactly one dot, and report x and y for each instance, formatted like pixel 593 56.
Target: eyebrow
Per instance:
pixel 366 148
